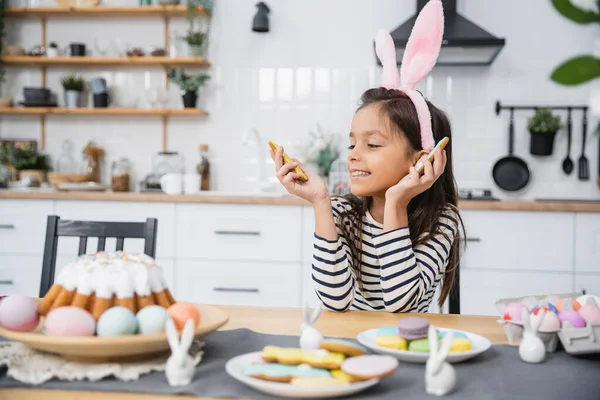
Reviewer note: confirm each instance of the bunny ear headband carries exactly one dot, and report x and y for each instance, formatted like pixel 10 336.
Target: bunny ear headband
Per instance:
pixel 420 55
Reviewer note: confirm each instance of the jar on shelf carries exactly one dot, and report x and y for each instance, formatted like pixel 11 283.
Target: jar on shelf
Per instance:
pixel 120 171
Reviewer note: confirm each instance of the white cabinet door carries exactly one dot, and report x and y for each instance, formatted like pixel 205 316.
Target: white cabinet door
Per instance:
pixel 238 232
pixel 20 274
pixel 23 225
pixel 238 283
pixel 587 242
pixel 480 289
pixel 519 241
pixel 119 212
pixel 590 284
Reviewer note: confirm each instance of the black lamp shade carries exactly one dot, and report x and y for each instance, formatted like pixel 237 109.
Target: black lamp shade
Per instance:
pixel 261 19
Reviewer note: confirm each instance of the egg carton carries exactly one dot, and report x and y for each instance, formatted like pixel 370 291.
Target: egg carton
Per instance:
pixel 581 340
pixel 514 330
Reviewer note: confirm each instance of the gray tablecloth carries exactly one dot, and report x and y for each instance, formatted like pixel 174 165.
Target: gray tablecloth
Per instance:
pixel 497 374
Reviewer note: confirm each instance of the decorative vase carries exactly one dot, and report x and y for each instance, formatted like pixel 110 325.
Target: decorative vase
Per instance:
pixel 190 99
pixel 196 51
pixel 72 98
pixel 541 143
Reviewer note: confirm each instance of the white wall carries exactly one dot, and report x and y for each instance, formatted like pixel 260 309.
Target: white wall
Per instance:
pixel 312 67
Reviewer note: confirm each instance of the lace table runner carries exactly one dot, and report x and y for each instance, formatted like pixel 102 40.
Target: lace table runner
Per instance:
pixel 34 367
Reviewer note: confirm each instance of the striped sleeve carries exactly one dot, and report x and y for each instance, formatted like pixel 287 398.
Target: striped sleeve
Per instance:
pixel 408 273
pixel 332 275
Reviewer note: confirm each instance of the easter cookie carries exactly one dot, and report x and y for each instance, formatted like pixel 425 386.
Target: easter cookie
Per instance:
pixel 282 355
pixel 413 328
pixel 461 345
pixel 339 374
pixel 391 342
pixel 317 382
pixel 370 366
pixel 387 331
pixel 323 359
pixel 346 347
pixel 284 373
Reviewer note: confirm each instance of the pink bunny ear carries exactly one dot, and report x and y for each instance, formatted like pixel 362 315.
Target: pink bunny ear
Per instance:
pixel 424 43
pixel 386 52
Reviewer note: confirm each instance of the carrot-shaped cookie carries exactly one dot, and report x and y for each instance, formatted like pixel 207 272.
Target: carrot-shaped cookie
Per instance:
pixel 287 159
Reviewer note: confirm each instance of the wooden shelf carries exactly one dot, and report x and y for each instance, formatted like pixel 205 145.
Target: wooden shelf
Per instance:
pixel 108 61
pixel 101 111
pixel 104 12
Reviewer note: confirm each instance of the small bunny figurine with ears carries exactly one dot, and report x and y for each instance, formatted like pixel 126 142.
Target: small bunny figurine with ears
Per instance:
pixel 532 349
pixel 310 337
pixel 440 377
pixel 180 366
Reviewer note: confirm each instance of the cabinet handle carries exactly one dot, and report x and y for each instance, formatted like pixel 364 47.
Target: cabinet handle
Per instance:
pixel 245 290
pixel 244 233
pixel 7 226
pixel 583 290
pixel 6 282
pixel 473 240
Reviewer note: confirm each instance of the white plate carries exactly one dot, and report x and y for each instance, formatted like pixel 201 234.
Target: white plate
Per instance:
pixel 235 368
pixel 479 343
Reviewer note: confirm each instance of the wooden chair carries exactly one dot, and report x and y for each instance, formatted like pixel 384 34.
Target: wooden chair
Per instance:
pixel 86 229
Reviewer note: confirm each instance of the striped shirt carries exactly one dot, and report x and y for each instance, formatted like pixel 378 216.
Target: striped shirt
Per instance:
pixel 396 276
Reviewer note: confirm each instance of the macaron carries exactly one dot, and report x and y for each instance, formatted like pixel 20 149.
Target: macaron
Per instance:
pixel 391 342
pixel 387 331
pixel 413 328
pixel 19 313
pixel 461 345
pixel 455 334
pixel 419 345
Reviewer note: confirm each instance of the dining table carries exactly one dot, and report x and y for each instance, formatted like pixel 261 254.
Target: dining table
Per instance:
pixel 285 321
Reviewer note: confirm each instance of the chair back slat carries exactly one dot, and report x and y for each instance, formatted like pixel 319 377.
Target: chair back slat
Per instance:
pixel 120 243
pixel 101 243
pixel 82 245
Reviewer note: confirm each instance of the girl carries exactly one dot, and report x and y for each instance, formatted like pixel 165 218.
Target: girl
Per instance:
pixel 389 244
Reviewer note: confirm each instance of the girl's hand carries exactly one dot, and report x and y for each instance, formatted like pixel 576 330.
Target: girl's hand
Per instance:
pixel 413 184
pixel 314 190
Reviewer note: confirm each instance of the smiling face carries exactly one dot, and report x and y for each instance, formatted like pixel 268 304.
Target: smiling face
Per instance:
pixel 378 156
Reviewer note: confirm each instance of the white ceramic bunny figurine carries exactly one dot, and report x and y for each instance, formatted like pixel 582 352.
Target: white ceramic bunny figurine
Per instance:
pixel 310 337
pixel 440 377
pixel 532 349
pixel 180 366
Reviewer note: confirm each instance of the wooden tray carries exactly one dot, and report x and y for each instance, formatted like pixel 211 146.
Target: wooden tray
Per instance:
pixel 109 349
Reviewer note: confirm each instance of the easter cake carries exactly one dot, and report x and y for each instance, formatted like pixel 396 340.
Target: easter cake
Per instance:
pixel 98 282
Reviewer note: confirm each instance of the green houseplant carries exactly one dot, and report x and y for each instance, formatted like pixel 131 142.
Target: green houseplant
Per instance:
pixel 196 41
pixel 189 85
pixel 73 85
pixel 543 126
pixel 30 163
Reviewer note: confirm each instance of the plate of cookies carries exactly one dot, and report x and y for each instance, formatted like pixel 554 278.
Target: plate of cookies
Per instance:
pixel 338 368
pixel 408 341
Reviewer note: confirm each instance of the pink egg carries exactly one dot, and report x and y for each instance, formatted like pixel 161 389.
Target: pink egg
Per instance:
pixel 19 313
pixel 573 317
pixel 590 313
pixel 70 321
pixel 550 323
pixel 513 312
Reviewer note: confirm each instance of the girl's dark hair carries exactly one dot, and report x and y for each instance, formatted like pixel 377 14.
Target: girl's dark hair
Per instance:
pixel 425 210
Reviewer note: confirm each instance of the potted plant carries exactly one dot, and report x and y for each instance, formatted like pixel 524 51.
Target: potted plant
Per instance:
pixel 73 86
pixel 30 163
pixel 189 85
pixel 543 127
pixel 52 50
pixel 195 41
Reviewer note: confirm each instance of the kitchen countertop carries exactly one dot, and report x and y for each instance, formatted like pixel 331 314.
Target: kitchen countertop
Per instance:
pixel 276 199
pixel 284 321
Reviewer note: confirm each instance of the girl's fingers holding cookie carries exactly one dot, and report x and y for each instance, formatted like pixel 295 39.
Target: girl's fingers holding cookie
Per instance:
pixel 289 178
pixel 285 169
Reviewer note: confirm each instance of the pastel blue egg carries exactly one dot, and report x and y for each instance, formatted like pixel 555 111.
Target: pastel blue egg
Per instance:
pixel 116 321
pixel 151 320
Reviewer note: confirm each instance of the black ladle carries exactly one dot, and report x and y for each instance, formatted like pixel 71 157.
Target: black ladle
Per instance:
pixel 568 163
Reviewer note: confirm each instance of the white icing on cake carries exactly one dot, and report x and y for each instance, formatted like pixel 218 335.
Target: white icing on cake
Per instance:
pixel 108 273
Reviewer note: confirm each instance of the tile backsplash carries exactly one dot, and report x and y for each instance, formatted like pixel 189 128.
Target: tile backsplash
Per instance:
pixel 311 69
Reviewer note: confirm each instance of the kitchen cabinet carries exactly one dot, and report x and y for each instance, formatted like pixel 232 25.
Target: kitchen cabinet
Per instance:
pixel 23 226
pixel 233 283
pixel 20 274
pixel 587 242
pixel 480 289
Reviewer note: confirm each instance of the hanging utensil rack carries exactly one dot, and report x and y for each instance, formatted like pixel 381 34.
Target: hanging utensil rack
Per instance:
pixel 499 107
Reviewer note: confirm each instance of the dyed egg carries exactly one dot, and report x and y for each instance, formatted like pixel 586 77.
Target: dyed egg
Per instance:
pixel 151 320
pixel 535 310
pixel 19 313
pixel 69 321
pixel 574 303
pixel 550 322
pixel 180 312
pixel 590 313
pixel 116 321
pixel 573 317
pixel 513 312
